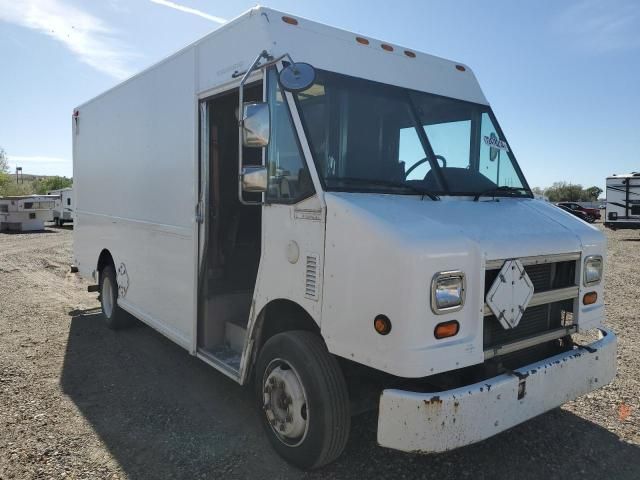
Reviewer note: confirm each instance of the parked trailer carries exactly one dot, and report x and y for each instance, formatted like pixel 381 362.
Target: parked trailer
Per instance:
pixel 25 213
pixel 365 222
pixel 623 201
pixel 63 210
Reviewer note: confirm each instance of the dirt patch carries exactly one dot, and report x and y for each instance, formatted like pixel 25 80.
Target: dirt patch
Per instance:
pixel 80 401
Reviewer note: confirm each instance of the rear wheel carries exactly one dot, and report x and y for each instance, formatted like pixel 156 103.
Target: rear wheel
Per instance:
pixel 303 398
pixel 115 316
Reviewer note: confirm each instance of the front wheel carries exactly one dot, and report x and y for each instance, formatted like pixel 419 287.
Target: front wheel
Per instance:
pixel 303 398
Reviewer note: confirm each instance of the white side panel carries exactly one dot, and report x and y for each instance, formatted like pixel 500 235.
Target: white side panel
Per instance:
pixel 135 191
pixel 291 234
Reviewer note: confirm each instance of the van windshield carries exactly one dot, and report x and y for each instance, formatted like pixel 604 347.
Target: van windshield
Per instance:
pixel 371 137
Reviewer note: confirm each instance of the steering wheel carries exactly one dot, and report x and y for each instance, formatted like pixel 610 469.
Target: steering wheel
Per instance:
pixel 420 162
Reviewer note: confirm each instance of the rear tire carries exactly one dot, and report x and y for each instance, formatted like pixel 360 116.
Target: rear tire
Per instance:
pixel 116 317
pixel 303 399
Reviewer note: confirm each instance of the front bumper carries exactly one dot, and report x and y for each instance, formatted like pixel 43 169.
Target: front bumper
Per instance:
pixel 436 422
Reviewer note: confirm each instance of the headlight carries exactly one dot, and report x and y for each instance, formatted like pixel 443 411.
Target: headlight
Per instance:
pixel 447 292
pixel 592 270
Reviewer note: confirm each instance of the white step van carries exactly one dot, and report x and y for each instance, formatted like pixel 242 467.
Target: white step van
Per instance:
pixel 341 223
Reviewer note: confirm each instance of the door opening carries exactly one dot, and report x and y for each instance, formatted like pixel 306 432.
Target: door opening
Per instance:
pixel 232 236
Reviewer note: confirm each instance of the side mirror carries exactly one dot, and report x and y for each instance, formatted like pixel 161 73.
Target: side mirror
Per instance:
pixel 254 179
pixel 297 77
pixel 256 123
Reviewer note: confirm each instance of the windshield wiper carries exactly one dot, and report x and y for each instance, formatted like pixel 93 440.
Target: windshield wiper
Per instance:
pixel 388 183
pixel 497 190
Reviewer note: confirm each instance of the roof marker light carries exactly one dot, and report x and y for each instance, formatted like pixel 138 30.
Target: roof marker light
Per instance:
pixel 386 47
pixel 362 40
pixel 409 54
pixel 460 68
pixel 290 20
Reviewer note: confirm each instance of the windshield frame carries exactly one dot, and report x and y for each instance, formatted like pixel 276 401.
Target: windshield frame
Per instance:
pixel 424 141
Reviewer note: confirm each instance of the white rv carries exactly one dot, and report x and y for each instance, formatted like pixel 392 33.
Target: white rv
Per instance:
pixel 63 211
pixel 25 213
pixel 623 201
pixel 309 210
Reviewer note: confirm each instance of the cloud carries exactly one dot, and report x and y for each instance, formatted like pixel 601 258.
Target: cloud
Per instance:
pixel 85 35
pixel 190 10
pixel 601 26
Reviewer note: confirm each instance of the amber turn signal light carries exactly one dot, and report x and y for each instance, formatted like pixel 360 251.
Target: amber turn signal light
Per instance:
pixel 590 298
pixel 446 329
pixel 382 324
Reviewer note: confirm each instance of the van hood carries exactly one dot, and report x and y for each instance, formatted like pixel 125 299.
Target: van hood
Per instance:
pixel 500 228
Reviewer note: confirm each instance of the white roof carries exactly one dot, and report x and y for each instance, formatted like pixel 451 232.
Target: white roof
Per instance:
pixel 234 46
pixel 625 175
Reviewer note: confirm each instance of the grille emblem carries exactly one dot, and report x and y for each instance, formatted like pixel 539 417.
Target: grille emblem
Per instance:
pixel 510 294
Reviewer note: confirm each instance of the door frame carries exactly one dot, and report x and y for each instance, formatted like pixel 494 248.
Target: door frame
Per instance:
pixel 203 194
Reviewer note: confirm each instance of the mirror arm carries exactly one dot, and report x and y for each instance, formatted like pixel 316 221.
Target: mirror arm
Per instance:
pixel 264 54
pixel 272 61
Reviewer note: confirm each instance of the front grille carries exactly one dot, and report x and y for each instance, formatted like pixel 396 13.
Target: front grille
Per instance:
pixel 540 276
pixel 544 276
pixel 537 319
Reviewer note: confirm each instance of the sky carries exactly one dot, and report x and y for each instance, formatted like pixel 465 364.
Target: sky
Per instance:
pixel 563 78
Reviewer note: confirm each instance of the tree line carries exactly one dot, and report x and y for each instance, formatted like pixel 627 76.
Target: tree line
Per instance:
pixel 569 192
pixel 37 185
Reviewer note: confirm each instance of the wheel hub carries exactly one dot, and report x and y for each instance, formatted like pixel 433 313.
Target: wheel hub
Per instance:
pixel 285 404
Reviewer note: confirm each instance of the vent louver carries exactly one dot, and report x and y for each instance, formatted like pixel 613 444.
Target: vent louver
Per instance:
pixel 311 279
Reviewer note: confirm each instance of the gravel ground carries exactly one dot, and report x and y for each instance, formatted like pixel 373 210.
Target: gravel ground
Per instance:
pixel 80 401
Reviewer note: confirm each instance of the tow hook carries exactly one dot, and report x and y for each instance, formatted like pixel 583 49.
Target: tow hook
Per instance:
pixel 522 382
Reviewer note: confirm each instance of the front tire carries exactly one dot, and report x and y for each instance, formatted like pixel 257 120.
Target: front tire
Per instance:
pixel 303 399
pixel 115 316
